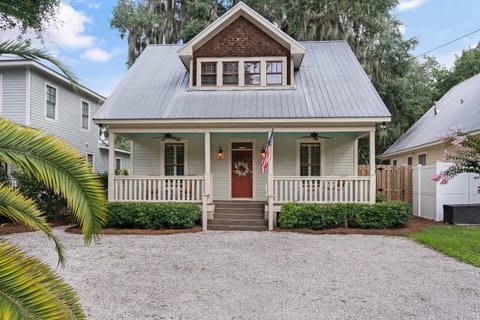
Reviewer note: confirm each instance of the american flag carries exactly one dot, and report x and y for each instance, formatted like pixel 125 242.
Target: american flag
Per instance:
pixel 266 156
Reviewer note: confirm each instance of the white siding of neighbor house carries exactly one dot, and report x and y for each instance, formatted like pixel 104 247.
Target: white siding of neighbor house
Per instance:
pixel 338 157
pixel 102 163
pixel 13 95
pixel 68 125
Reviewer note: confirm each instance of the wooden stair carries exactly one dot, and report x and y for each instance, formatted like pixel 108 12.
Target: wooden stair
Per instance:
pixel 239 216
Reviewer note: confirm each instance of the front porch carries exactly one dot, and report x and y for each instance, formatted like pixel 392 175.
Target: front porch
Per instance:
pixel 224 165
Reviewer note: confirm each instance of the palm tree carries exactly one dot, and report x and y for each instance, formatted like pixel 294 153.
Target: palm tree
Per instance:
pixel 28 288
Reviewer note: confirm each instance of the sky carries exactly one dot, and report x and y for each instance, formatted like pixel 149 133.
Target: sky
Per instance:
pixel 83 39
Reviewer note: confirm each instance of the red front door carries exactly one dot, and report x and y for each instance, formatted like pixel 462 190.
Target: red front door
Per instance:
pixel 242 174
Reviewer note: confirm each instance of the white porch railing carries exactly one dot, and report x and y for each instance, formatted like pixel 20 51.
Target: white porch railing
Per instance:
pixel 321 189
pixel 159 188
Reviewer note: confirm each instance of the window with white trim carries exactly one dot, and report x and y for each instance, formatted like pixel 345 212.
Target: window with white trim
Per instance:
pixel 118 164
pixel 310 159
pixel 90 159
pixel 174 159
pixel 422 159
pixel 230 73
pixel 209 73
pixel 410 161
pixel 252 73
pixel 51 102
pixel 85 115
pixel 274 73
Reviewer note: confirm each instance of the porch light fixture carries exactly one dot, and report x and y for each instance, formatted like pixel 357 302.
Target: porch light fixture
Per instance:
pixel 220 153
pixel 263 152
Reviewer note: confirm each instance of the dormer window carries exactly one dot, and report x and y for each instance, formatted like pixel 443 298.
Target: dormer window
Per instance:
pixel 209 73
pixel 274 73
pixel 230 73
pixel 252 73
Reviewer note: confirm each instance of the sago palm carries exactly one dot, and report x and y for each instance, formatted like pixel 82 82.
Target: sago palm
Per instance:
pixel 28 288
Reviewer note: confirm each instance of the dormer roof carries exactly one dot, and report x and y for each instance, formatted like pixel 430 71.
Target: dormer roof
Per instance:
pixel 297 51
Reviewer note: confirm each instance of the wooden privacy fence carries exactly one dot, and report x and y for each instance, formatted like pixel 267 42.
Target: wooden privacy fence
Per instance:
pixel 394 183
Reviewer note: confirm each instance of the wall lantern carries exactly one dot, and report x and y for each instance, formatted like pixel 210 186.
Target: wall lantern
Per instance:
pixel 220 153
pixel 263 152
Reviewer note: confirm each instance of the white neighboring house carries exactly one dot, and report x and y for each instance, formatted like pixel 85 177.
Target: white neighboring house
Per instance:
pixel 34 95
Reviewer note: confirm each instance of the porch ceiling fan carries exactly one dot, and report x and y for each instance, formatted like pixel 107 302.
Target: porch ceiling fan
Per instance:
pixel 167 136
pixel 315 136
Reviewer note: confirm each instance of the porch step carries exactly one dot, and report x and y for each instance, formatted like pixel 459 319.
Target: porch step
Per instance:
pixel 238 215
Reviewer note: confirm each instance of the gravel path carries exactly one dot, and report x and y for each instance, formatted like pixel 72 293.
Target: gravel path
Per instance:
pixel 249 275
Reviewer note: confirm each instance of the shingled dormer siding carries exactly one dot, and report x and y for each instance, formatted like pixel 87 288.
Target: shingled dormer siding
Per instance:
pixel 241 39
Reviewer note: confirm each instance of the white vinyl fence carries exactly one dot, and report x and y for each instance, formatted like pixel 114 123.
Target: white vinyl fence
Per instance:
pixel 430 196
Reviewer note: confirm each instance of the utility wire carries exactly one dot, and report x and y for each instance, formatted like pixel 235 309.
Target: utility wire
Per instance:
pixel 446 44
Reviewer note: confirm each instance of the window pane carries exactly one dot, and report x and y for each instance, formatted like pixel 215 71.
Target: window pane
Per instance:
pixel 242 145
pixel 209 80
pixel 51 101
pixel 252 79
pixel 274 67
pixel 252 73
pixel 174 159
pixel 409 161
pixel 85 115
pixel 230 67
pixel 274 79
pixel 230 79
pixel 422 159
pixel 118 164
pixel 209 73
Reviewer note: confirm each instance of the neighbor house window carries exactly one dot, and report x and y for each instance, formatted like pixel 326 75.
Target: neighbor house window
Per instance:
pixel 422 159
pixel 118 164
pixel 85 115
pixel 90 159
pixel 252 73
pixel 309 159
pixel 394 162
pixel 410 161
pixel 209 73
pixel 230 73
pixel 174 159
pixel 274 72
pixel 51 102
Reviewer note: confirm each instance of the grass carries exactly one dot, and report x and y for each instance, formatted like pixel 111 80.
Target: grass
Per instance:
pixel 459 242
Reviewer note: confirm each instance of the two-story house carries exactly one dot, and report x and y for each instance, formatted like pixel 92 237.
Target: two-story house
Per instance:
pixel 34 95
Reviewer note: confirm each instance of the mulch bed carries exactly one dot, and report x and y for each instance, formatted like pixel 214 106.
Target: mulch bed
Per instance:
pixel 416 224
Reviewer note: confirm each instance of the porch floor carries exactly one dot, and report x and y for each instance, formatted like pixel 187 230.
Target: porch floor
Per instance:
pixel 238 215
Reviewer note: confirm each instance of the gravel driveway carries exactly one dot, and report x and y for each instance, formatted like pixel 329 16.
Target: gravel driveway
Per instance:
pixel 262 275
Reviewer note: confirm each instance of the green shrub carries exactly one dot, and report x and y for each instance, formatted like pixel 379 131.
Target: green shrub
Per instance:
pixel 379 198
pixel 152 215
pixel 47 201
pixel 317 216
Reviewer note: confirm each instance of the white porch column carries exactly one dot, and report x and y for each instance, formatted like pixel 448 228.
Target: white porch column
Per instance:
pixel 270 188
pixel 373 181
pixel 208 174
pixel 111 166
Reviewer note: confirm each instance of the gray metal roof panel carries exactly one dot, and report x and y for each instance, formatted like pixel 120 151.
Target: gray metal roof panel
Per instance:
pixel 464 116
pixel 329 84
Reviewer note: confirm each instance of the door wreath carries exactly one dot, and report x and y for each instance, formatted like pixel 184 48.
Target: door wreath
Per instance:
pixel 241 168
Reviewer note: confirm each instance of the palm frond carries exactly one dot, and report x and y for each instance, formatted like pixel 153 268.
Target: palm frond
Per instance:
pixel 23 50
pixel 16 207
pixel 30 290
pixel 61 168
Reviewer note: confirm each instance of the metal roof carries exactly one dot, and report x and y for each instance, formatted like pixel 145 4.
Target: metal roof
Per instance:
pixel 329 84
pixel 459 108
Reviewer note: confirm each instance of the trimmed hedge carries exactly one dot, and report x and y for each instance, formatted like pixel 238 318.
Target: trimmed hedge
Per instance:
pixel 352 215
pixel 152 215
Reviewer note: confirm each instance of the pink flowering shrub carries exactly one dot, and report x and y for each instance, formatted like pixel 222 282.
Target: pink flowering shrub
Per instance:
pixel 466 157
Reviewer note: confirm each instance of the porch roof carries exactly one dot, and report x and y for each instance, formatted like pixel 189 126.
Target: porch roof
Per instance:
pixel 330 84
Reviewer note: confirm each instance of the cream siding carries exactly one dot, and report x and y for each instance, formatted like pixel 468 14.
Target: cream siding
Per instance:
pixel 147 152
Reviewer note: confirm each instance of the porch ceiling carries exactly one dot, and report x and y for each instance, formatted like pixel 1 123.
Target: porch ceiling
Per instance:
pixel 300 134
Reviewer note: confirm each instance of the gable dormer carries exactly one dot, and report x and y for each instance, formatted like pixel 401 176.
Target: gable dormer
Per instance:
pixel 241 49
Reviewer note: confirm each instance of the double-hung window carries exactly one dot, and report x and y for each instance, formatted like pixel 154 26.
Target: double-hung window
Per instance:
pixel 209 73
pixel 174 159
pixel 252 73
pixel 422 159
pixel 274 73
pixel 85 115
pixel 310 159
pixel 51 102
pixel 230 73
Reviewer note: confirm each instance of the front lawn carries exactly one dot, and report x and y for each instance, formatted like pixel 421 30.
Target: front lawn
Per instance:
pixel 459 242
